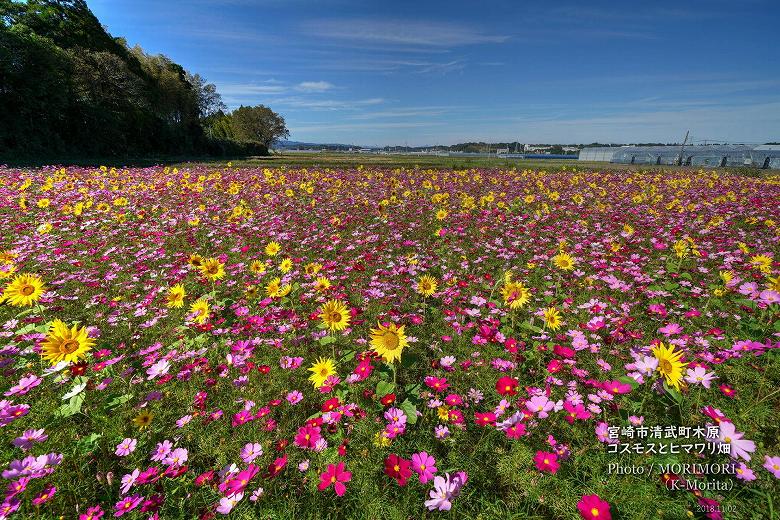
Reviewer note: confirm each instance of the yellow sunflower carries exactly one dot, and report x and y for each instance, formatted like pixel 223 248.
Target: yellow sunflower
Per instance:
pixel 427 285
pixel 322 284
pixel 321 370
pixel 563 261
pixel 389 342
pixel 257 267
pixel 669 364
pixel 335 315
pixel 195 261
pixel 312 268
pixel 515 294
pixel 286 265
pixel 201 310
pixel 24 290
pixel 176 296
pixel 273 287
pixel 213 269
pixel 143 420
pixel 762 262
pixel 552 318
pixel 7 270
pixel 272 249
pixel 64 344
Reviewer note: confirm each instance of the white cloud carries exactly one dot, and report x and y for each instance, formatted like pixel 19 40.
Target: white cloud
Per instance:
pixel 401 32
pixel 314 86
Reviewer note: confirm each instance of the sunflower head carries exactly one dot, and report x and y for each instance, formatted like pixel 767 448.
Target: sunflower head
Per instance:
pixel 669 364
pixel 212 269
pixel 321 370
pixel 389 341
pixel 272 249
pixel 176 296
pixel 515 294
pixel 552 318
pixel 195 261
pixel 563 261
pixel 335 315
pixel 427 285
pixel 143 420
pixel 65 344
pixel 24 290
pixel 200 311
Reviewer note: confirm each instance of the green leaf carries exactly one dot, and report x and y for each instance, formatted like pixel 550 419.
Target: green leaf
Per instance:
pixel 349 355
pixel 674 394
pixel 410 410
pixel 88 444
pixel 527 325
pixel 383 388
pixel 327 340
pixel 72 407
pixel 79 384
pixel 629 381
pixel 114 401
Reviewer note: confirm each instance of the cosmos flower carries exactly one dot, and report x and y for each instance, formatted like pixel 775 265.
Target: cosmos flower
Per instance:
pixel 424 465
pixel 592 507
pixel 336 475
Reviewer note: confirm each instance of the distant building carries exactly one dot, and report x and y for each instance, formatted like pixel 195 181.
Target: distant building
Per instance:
pixel 766 156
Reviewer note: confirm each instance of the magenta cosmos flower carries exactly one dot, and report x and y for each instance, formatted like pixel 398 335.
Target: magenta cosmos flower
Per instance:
pixel 592 507
pixel 424 465
pixel 546 461
pixel 336 475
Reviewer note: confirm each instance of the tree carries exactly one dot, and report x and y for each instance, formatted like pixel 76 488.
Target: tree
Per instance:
pixel 259 124
pixel 209 100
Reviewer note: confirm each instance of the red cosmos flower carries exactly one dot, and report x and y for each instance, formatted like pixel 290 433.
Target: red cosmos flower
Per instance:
pixel 387 400
pixel 546 461
pixel 263 369
pixel 336 475
pixel 398 469
pixel 515 431
pixel 562 351
pixel 484 419
pixel 330 404
pixel 277 466
pixel 506 385
pixel 592 507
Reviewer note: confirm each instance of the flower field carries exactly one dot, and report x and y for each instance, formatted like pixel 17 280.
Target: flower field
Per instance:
pixel 388 343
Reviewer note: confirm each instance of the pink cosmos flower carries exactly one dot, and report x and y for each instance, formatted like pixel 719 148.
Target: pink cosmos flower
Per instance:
pixel 700 376
pixel 546 461
pixel 424 465
pixel 739 447
pixel 772 465
pixel 251 451
pixel 126 447
pixel 336 475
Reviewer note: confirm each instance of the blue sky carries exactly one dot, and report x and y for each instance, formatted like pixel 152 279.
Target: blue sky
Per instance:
pixel 442 72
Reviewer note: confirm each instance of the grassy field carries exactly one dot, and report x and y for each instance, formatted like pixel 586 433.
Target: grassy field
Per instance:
pixel 201 340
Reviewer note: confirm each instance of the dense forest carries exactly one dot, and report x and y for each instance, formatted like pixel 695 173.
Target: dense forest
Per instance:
pixel 67 87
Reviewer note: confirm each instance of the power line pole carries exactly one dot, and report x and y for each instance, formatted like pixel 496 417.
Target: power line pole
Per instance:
pixel 682 149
